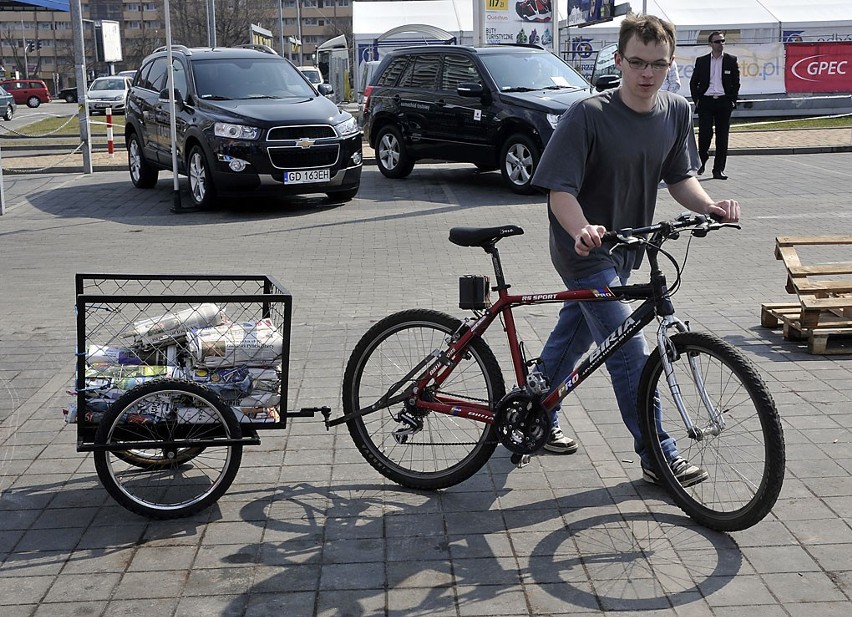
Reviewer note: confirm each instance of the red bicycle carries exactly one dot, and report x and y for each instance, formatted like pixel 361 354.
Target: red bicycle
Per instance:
pixel 425 401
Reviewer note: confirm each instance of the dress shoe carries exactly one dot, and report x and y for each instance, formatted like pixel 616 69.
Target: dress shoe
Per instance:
pixel 719 175
pixel 701 169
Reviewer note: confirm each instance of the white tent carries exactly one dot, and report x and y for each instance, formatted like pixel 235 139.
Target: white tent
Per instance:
pixel 743 21
pixel 371 20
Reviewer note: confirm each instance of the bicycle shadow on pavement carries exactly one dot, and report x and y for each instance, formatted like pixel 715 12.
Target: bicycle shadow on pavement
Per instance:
pixel 434 552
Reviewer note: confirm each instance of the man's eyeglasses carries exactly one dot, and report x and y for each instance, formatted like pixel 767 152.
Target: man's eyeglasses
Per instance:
pixel 718 41
pixel 640 65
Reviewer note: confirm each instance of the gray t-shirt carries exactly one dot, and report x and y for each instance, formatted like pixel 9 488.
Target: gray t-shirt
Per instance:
pixel 612 159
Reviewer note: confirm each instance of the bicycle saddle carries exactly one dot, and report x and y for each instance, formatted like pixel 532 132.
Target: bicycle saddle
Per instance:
pixel 482 236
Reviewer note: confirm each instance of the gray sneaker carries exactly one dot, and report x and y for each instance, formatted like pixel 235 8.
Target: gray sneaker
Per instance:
pixel 559 443
pixel 686 474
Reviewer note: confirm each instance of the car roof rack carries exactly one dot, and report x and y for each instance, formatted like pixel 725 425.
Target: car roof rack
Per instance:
pixel 181 48
pixel 258 47
pixel 524 45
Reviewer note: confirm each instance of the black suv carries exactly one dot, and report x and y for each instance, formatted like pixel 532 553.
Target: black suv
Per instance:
pixel 245 118
pixel 495 107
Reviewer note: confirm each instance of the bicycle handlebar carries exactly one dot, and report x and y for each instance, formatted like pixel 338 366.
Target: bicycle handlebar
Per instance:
pixel 700 224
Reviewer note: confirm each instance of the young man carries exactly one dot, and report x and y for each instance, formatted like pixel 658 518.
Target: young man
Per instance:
pixel 715 86
pixel 602 168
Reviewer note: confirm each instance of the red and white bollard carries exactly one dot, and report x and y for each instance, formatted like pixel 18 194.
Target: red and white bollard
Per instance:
pixel 110 141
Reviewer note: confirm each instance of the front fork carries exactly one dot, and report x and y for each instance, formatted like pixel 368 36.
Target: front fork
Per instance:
pixel 668 354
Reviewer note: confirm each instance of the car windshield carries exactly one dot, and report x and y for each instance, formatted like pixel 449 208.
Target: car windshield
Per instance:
pixel 313 75
pixel 248 78
pixel 523 72
pixel 108 84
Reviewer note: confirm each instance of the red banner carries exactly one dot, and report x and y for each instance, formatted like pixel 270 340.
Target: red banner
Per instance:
pixel 818 67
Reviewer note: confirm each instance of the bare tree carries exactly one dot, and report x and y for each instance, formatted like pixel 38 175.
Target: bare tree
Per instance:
pixel 233 21
pixel 15 43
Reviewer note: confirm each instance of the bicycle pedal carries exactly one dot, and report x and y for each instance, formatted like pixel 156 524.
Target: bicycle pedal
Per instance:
pixel 521 460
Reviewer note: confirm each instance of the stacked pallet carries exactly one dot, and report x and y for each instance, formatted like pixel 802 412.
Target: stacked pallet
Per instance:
pixel 822 316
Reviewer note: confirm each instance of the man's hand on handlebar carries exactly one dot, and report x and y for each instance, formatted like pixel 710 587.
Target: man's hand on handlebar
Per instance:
pixel 725 211
pixel 588 238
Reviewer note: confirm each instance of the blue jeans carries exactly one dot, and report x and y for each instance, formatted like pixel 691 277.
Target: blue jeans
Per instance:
pixel 582 323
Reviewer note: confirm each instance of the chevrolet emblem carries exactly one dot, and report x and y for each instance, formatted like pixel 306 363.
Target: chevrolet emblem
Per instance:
pixel 304 143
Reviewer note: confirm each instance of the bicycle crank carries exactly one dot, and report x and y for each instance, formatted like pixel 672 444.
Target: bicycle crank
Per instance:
pixel 523 425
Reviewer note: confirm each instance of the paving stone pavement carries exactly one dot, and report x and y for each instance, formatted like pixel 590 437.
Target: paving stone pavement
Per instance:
pixel 308 528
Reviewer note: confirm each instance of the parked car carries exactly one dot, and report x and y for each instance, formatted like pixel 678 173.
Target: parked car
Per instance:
pixel 128 74
pixel 69 95
pixel 33 92
pixel 313 74
pixel 245 119
pixel 7 104
pixel 108 93
pixel 495 107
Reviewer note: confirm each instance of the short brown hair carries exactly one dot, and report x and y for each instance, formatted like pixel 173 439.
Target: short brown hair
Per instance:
pixel 649 29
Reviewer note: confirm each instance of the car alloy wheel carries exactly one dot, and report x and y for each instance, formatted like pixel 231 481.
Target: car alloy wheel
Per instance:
pixel 520 159
pixel 201 188
pixel 142 174
pixel 391 157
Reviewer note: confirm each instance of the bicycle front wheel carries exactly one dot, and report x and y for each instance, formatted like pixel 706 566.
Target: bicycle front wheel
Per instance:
pixel 169 476
pixel 741 448
pixel 427 450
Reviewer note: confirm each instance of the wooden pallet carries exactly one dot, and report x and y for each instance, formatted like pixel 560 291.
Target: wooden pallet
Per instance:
pixel 823 314
pixel 833 336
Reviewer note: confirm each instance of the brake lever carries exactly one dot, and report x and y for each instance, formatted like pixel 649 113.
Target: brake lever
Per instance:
pixel 624 241
pixel 703 230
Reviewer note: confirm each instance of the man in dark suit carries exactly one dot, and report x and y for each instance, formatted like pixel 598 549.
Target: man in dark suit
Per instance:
pixel 715 85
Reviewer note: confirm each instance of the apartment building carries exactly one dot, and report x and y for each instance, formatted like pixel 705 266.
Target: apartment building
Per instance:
pixel 42 40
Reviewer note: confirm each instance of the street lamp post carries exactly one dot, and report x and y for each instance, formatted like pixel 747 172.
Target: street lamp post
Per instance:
pixel 211 23
pixel 26 61
pixel 80 74
pixel 281 26
pixel 299 28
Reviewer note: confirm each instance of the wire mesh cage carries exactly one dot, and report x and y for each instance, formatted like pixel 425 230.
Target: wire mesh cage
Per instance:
pixel 228 335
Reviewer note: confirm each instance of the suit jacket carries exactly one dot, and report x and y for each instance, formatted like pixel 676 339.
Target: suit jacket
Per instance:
pixel 700 80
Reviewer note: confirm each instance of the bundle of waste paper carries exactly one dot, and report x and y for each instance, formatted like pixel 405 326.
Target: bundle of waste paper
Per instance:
pixel 239 361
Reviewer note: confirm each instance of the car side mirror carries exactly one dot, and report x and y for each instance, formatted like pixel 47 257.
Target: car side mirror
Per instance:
pixel 325 89
pixel 164 96
pixel 607 82
pixel 472 89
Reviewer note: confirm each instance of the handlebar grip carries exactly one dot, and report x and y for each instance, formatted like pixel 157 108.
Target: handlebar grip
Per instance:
pixel 609 236
pixel 716 218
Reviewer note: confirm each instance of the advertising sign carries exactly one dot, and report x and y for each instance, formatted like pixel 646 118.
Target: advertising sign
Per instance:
pixel 818 67
pixel 587 12
pixel 111 41
pixel 519 21
pixel 761 66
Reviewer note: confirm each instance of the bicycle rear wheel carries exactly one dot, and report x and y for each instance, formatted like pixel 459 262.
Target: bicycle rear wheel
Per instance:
pixel 439 450
pixel 177 477
pixel 743 453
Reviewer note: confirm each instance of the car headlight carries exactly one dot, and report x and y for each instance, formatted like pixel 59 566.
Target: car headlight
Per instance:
pixel 347 128
pixel 235 131
pixel 553 119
